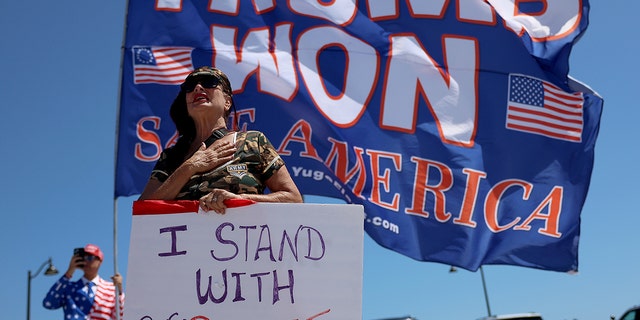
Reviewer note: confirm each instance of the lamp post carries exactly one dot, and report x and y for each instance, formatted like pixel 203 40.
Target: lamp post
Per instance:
pixel 51 270
pixel 484 287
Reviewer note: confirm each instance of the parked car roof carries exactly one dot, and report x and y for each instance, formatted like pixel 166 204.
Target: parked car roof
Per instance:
pixel 632 313
pixel 515 316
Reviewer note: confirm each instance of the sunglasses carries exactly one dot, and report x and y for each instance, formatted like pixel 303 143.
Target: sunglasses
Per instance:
pixel 90 257
pixel 205 82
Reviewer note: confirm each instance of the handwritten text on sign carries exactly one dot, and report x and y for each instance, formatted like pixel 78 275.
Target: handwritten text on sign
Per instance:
pixel 267 261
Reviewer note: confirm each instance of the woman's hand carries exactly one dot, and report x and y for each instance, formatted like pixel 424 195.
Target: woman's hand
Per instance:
pixel 203 160
pixel 215 200
pixel 206 159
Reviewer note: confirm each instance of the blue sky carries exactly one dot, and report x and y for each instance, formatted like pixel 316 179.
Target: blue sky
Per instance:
pixel 59 91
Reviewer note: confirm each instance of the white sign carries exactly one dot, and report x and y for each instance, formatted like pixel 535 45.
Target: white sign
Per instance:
pixel 261 261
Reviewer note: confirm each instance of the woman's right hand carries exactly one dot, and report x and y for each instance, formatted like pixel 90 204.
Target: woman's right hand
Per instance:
pixel 203 160
pixel 206 159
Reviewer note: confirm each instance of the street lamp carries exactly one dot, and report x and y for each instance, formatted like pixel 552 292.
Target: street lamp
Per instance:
pixel 51 270
pixel 484 287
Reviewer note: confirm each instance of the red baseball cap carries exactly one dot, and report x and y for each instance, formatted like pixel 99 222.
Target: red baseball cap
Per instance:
pixel 94 251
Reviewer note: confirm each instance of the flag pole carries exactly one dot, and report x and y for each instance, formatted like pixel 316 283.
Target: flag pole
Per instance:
pixel 486 295
pixel 115 254
pixel 115 157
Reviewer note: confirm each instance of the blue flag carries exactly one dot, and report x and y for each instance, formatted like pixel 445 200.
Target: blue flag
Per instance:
pixel 455 124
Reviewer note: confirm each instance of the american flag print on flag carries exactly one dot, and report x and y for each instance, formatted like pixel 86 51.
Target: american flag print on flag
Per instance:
pixel 539 107
pixel 161 65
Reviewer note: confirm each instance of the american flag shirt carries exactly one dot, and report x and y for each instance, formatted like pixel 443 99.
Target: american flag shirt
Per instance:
pixel 84 299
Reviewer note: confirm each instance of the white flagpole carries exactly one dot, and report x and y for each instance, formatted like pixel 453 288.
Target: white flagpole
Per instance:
pixel 115 162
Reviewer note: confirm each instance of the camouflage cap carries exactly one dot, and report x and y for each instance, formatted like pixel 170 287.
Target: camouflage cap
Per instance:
pixel 207 71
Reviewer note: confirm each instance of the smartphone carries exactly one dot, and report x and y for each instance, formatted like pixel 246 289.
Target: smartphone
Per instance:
pixel 80 253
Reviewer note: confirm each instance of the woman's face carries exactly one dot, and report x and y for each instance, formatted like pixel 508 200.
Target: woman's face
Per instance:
pixel 207 102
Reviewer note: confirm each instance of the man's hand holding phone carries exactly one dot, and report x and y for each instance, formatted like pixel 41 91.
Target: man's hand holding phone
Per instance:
pixel 77 262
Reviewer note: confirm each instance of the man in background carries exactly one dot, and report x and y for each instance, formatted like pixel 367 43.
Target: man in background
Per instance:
pixel 89 297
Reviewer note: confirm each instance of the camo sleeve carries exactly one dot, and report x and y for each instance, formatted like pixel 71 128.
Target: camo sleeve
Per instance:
pixel 166 165
pixel 270 160
pixel 159 172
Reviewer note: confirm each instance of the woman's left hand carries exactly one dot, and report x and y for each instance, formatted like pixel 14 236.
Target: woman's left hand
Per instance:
pixel 215 200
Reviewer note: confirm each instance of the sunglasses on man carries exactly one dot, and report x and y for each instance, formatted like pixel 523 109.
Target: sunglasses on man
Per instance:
pixel 205 82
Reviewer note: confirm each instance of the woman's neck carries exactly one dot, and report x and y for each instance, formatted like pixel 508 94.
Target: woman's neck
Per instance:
pixel 204 130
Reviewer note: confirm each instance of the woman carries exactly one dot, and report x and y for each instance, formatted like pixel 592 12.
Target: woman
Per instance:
pixel 208 162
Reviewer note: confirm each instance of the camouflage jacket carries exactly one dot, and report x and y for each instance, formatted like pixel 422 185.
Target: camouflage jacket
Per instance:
pixel 254 162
